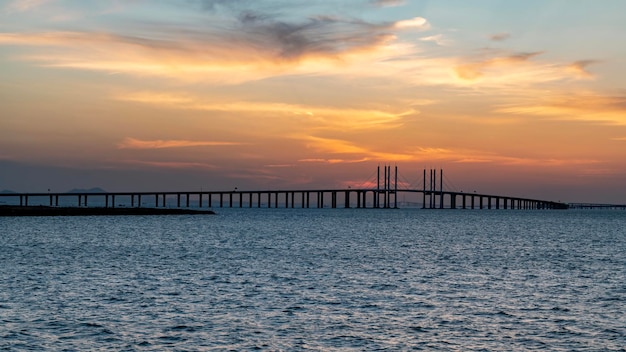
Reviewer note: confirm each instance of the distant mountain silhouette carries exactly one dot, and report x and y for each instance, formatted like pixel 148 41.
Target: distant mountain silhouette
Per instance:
pixel 90 190
pixel 7 191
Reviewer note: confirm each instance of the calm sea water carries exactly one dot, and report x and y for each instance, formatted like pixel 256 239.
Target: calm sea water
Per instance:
pixel 316 279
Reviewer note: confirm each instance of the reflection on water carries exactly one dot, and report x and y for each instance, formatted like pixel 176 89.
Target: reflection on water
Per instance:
pixel 318 279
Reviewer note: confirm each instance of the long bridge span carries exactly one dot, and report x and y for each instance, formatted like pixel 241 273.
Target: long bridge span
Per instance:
pixel 384 194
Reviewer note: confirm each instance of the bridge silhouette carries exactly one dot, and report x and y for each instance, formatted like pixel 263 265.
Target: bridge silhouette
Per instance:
pixel 383 193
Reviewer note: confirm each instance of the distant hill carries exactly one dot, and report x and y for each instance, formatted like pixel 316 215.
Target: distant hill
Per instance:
pixel 90 190
pixel 7 191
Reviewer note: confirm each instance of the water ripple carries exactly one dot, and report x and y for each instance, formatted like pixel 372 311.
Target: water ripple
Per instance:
pixel 316 280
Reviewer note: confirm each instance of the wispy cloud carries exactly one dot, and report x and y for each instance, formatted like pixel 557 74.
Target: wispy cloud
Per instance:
pixel 24 5
pixel 248 46
pixel 417 22
pixel 499 37
pixel 170 164
pixel 388 3
pixel 579 68
pixel 580 107
pixel 333 160
pixel 351 152
pixel 519 161
pixel 333 146
pixel 251 46
pixel 332 118
pixel 439 39
pixel 132 143
pixel 475 70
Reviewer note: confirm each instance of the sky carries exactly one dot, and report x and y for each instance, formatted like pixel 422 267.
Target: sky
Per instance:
pixel 520 98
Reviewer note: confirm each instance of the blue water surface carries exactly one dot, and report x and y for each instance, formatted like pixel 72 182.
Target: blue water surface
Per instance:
pixel 316 279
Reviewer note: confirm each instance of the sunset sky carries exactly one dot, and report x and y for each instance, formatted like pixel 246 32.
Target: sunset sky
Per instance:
pixel 523 98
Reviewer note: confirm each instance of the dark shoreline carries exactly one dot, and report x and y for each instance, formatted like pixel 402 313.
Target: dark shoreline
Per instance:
pixel 8 210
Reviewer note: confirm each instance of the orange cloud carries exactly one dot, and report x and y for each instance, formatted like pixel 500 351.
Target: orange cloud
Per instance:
pixel 132 143
pixel 337 146
pixel 333 161
pixel 583 107
pixel 171 164
pixel 325 46
pixel 473 71
pixel 423 154
pixel 329 118
pixel 251 47
pixel 579 68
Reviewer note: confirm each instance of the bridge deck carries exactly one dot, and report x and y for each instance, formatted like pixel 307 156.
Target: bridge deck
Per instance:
pixel 301 198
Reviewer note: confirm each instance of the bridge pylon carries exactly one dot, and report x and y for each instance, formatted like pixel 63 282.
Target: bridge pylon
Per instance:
pixel 388 188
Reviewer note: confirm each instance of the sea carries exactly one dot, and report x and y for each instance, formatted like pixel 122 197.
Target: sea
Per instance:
pixel 316 280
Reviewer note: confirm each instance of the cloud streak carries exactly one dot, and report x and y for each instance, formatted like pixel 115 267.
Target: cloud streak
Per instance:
pixel 499 37
pixel 24 5
pixel 351 153
pixel 328 118
pixel 388 3
pixel 171 164
pixel 475 70
pixel 579 68
pixel 132 143
pixel 581 107
pixel 249 46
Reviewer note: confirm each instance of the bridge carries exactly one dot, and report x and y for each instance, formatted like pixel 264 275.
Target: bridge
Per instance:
pixel 596 206
pixel 383 195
